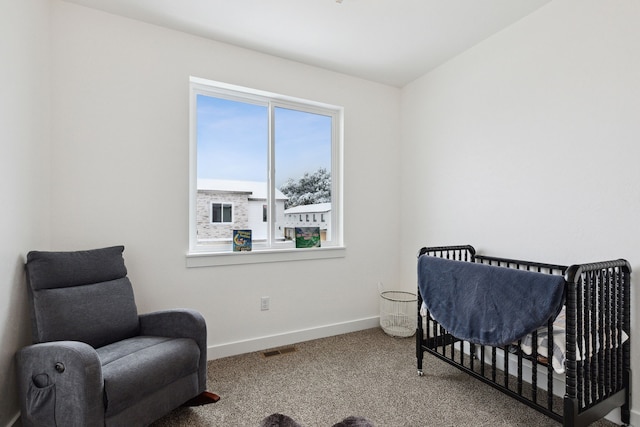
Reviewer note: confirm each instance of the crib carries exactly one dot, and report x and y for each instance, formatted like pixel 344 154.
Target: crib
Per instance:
pixel 574 368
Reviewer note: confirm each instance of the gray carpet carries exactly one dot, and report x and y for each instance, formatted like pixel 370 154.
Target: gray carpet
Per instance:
pixel 367 374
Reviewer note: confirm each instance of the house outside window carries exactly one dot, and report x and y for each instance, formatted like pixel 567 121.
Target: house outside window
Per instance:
pixel 245 145
pixel 293 218
pixel 246 199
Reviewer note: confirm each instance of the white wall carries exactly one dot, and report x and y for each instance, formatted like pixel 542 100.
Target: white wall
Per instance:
pixel 24 173
pixel 120 175
pixel 526 145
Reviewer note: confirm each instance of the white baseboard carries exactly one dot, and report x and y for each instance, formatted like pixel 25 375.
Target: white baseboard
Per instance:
pixel 615 417
pixel 14 421
pixel 635 418
pixel 287 338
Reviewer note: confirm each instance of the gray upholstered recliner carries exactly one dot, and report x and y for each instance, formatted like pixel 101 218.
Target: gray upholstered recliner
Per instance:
pixel 95 361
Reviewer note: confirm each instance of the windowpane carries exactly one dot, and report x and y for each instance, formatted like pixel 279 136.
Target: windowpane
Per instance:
pixel 226 213
pixel 232 165
pixel 216 212
pixel 303 143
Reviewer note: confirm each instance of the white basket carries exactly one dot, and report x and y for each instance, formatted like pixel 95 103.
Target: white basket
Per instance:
pixel 398 313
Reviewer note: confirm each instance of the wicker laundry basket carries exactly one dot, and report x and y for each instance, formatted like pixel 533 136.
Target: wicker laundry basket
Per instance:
pixel 398 313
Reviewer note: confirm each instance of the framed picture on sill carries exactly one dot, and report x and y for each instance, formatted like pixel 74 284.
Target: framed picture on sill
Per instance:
pixel 307 237
pixel 242 241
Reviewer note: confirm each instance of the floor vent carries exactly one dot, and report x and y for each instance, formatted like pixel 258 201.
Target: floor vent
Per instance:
pixel 285 350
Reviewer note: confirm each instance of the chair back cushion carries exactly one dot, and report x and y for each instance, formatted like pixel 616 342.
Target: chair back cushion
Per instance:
pixel 81 296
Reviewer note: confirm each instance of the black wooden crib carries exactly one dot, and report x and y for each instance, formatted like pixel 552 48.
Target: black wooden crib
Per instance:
pixel 574 367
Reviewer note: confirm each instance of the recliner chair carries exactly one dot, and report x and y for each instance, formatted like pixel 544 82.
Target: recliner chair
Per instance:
pixel 95 361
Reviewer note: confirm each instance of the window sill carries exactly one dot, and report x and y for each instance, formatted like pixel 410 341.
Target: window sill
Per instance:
pixel 210 259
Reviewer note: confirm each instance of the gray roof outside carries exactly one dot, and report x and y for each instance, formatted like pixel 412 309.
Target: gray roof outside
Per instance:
pixel 317 207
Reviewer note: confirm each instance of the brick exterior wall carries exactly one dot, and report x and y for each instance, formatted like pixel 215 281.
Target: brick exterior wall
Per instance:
pixel 206 229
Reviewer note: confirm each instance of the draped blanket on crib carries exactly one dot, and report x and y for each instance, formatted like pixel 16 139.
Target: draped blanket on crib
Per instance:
pixel 486 304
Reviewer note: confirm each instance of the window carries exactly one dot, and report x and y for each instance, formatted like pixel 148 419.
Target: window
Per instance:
pixel 221 213
pixel 258 159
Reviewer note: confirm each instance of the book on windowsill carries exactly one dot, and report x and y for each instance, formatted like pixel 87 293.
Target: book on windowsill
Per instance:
pixel 307 237
pixel 241 240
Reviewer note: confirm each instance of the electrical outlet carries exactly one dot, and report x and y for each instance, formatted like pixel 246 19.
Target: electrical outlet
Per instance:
pixel 264 303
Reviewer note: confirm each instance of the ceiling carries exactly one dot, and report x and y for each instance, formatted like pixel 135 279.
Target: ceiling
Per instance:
pixel 387 41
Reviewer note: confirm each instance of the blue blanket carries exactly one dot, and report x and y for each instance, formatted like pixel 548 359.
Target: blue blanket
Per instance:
pixel 486 304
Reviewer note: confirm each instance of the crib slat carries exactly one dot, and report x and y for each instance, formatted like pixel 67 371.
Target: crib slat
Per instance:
pixel 519 376
pixel 493 364
pixel 506 366
pixel 534 368
pixel 599 348
pixel 592 355
pixel 617 359
pixel 606 334
pixel 618 314
pixel 550 355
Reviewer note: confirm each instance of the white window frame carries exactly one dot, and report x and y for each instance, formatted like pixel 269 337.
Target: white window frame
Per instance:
pixel 272 251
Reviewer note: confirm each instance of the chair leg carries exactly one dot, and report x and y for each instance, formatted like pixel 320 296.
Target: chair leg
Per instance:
pixel 203 398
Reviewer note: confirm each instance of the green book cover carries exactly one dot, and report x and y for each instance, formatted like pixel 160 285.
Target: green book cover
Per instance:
pixel 307 237
pixel 241 240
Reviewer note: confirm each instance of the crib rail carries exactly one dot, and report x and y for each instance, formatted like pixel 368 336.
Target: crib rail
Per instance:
pixel 539 267
pixel 597 375
pixel 459 253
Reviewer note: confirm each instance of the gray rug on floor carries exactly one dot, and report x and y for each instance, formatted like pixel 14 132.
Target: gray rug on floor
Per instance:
pixel 281 420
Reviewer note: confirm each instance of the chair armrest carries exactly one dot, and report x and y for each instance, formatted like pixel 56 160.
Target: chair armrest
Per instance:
pixel 60 383
pixel 179 323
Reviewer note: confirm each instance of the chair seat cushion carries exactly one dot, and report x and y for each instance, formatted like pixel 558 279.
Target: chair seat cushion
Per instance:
pixel 138 366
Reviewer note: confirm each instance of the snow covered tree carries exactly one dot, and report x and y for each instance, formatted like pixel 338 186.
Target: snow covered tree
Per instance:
pixel 310 189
